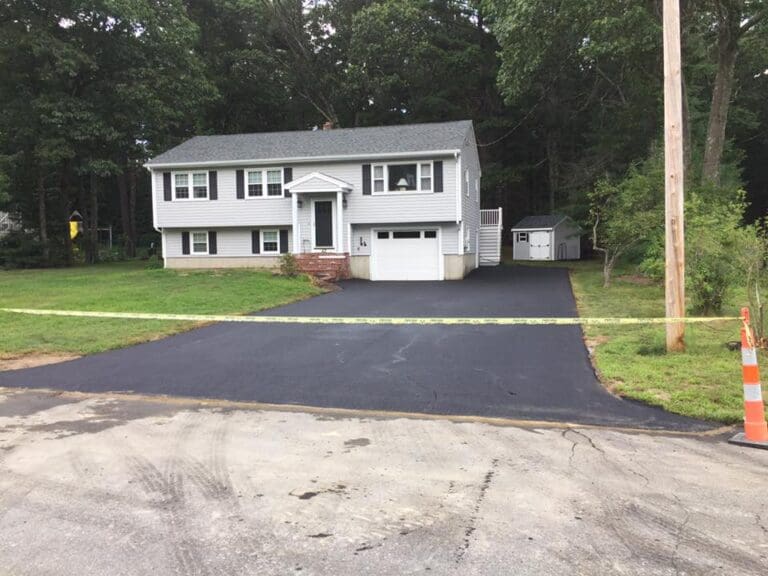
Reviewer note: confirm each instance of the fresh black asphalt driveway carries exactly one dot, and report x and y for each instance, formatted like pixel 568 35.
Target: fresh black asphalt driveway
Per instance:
pixel 528 372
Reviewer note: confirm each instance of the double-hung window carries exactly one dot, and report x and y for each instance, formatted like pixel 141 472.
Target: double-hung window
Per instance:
pixel 412 177
pixel 270 242
pixel 267 182
pixel 190 185
pixel 255 184
pixel 378 178
pixel 199 242
pixel 274 182
pixel 426 176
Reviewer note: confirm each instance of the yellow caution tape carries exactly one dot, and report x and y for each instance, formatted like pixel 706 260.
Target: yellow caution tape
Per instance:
pixel 501 321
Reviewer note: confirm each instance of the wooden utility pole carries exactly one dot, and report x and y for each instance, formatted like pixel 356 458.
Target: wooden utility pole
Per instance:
pixel 674 249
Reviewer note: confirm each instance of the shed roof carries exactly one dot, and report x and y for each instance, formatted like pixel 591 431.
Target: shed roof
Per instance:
pixel 543 221
pixel 340 142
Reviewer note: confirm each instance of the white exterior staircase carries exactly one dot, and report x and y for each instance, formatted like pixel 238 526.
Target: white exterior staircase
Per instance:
pixel 490 237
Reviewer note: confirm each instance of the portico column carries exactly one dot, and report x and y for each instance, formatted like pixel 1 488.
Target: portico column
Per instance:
pixel 295 223
pixel 339 221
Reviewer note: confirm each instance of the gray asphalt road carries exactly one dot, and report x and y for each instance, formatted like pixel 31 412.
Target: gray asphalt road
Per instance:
pixel 93 486
pixel 531 372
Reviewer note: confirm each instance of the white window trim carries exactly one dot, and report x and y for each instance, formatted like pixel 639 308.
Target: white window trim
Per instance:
pixel 262 241
pixel 192 243
pixel 386 165
pixel 264 189
pixel 190 185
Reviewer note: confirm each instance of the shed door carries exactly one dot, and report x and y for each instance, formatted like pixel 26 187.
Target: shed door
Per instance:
pixel 405 255
pixel 539 244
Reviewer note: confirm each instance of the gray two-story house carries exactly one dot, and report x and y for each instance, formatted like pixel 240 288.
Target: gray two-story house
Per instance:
pixel 381 203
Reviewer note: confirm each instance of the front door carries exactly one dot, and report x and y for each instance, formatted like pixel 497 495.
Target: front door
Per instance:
pixel 323 224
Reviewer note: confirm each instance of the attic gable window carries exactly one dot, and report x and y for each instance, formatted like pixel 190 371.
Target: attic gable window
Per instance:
pixel 190 186
pixel 393 178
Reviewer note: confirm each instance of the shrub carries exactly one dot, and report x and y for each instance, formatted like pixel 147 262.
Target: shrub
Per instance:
pixel 154 262
pixel 720 252
pixel 624 215
pixel 20 249
pixel 289 266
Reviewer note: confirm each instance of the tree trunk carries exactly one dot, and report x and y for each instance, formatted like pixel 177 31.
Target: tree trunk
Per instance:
pixel 43 220
pixel 66 200
pixel 727 50
pixel 125 215
pixel 608 264
pixel 553 166
pixel 93 220
pixel 132 211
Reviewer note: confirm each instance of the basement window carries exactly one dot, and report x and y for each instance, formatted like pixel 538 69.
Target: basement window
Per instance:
pixel 200 242
pixel 270 242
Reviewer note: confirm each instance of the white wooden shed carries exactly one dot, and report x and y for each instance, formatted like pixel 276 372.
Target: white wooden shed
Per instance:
pixel 548 237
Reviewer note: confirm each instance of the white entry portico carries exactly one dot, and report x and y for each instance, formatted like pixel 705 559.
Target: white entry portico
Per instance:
pixel 318 202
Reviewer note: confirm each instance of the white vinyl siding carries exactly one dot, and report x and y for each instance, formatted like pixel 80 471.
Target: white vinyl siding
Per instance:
pixel 470 199
pixel 229 211
pixel 226 211
pixel 232 242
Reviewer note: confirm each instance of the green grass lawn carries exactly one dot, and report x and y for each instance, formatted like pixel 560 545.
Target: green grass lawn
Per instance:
pixel 704 382
pixel 127 287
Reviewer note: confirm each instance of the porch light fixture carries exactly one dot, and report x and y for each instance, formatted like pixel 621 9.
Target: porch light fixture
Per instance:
pixel 299 203
pixel 344 202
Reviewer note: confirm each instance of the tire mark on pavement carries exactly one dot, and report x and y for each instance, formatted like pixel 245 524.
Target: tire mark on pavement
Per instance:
pixel 472 525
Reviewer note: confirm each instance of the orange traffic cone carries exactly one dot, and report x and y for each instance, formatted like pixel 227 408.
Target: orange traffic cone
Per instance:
pixel 755 427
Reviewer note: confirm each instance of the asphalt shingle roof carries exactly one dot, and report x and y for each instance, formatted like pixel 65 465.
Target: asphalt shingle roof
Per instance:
pixel 545 221
pixel 319 143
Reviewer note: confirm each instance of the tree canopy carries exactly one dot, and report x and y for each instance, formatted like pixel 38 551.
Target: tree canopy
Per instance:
pixel 565 94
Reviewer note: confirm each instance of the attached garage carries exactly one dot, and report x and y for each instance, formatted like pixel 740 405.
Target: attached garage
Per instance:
pixel 406 254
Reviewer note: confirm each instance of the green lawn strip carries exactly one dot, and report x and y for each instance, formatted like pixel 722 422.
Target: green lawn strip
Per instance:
pixel 128 287
pixel 704 382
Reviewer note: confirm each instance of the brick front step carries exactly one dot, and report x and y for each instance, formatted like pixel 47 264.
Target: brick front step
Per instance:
pixel 325 265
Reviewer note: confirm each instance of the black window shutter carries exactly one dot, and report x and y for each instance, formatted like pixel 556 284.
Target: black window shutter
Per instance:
pixel 185 242
pixel 212 242
pixel 367 179
pixel 255 242
pixel 283 241
pixel 287 177
pixel 438 176
pixel 240 182
pixel 167 191
pixel 213 185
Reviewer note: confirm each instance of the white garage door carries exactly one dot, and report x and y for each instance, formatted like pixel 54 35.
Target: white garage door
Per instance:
pixel 405 255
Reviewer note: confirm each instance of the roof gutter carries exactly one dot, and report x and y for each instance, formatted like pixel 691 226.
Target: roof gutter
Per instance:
pixel 302 159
